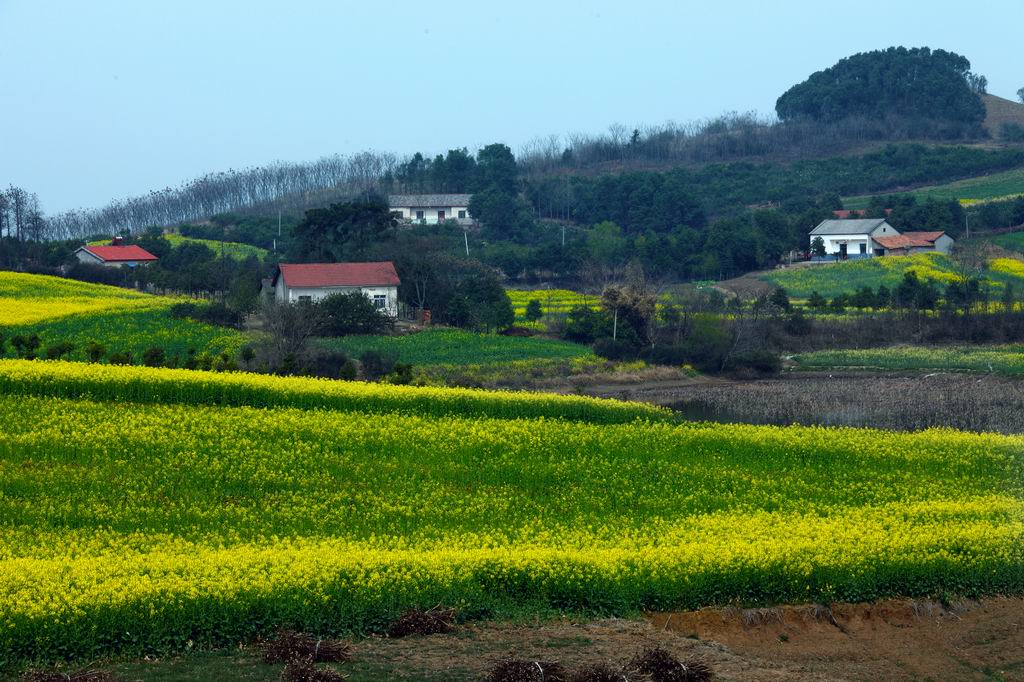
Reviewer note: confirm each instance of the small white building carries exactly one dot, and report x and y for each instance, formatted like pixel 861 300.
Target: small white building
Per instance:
pixel 431 208
pixel 115 255
pixel 298 282
pixel 853 238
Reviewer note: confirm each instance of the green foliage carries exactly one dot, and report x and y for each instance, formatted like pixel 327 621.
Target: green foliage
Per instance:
pixel 916 83
pixel 981 187
pixel 343 232
pixel 533 311
pixel 352 313
pixel 433 347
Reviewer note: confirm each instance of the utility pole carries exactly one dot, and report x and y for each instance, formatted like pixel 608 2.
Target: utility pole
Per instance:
pixel 967 221
pixel 563 236
pixel 465 237
pixel 278 224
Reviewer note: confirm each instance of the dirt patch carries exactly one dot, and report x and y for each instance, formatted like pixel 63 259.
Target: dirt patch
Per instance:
pixel 890 640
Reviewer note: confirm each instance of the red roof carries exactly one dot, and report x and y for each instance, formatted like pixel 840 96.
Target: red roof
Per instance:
pixel 844 213
pixel 910 240
pixel 924 236
pixel 339 274
pixel 113 254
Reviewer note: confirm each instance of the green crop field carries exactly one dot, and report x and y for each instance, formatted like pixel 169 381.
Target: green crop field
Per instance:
pixel 832 279
pixel 456 347
pixel 156 510
pixel 236 250
pixel 63 310
pixel 1011 241
pixel 1008 360
pixel 552 301
pixel 1006 184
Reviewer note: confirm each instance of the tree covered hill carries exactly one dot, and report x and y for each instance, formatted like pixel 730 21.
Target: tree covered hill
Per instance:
pixel 932 91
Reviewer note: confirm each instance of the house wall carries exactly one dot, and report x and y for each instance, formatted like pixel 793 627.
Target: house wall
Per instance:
pixel 852 241
pixel 944 244
pixel 430 215
pixel 285 294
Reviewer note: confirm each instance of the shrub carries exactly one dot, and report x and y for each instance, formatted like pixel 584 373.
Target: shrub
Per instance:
pixel 153 356
pixel 216 314
pixel 533 310
pixel 352 313
pixel 376 364
pixel 758 361
pixel 25 346
pixel 120 358
pixel 58 350
pixel 348 370
pixel 95 351
pixel 325 363
pixel 402 373
pixel 797 324
pixel 615 349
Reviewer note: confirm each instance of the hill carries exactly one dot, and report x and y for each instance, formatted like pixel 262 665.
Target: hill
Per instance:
pixel 999 112
pixel 122 320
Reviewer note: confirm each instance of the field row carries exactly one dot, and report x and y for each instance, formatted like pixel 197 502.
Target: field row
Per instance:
pixel 145 527
pixel 189 387
pixel 1007 360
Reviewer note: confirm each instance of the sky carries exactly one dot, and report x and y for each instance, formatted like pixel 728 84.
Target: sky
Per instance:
pixel 107 99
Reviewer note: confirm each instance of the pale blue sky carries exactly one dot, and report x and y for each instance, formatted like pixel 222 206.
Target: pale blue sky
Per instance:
pixel 106 99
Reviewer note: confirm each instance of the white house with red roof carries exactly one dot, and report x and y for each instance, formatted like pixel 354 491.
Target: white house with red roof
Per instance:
pixel 853 238
pixel 115 255
pixel 298 282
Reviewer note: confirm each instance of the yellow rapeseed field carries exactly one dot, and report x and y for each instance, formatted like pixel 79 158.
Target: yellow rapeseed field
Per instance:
pixel 134 519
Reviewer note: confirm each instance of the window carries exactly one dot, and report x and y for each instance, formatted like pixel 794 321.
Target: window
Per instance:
pixel 380 301
pixel 419 215
pixel 462 214
pixel 305 299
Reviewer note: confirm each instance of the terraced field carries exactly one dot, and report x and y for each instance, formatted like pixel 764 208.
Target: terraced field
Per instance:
pixel 832 279
pixel 1005 185
pixel 62 310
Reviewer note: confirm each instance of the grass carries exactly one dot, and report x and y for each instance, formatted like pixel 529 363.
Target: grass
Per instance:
pixel 434 347
pixel 1011 241
pixel 235 250
pixel 832 279
pixel 123 320
pixel 997 185
pixel 1007 360
pixel 146 527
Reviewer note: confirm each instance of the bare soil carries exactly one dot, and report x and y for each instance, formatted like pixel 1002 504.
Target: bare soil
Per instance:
pixel 889 640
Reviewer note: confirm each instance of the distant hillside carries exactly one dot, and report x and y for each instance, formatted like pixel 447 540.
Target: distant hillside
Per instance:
pixel 999 111
pixel 981 187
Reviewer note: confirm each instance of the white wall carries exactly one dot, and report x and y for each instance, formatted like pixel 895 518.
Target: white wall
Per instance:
pixel 852 241
pixel 944 244
pixel 284 293
pixel 430 215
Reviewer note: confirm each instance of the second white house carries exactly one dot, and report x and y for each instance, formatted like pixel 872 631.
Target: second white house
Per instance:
pixel 866 237
pixel 302 282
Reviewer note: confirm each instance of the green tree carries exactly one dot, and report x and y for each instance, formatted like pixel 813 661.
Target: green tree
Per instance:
pixel 344 231
pixel 496 167
pixel 1020 95
pixel 818 247
pixel 351 313
pixel 605 243
pixel 533 310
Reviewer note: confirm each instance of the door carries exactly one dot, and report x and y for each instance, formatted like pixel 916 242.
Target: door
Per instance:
pixel 440 216
pixel 842 250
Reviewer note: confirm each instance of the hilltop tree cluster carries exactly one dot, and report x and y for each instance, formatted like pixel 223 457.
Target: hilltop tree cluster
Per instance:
pixel 917 85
